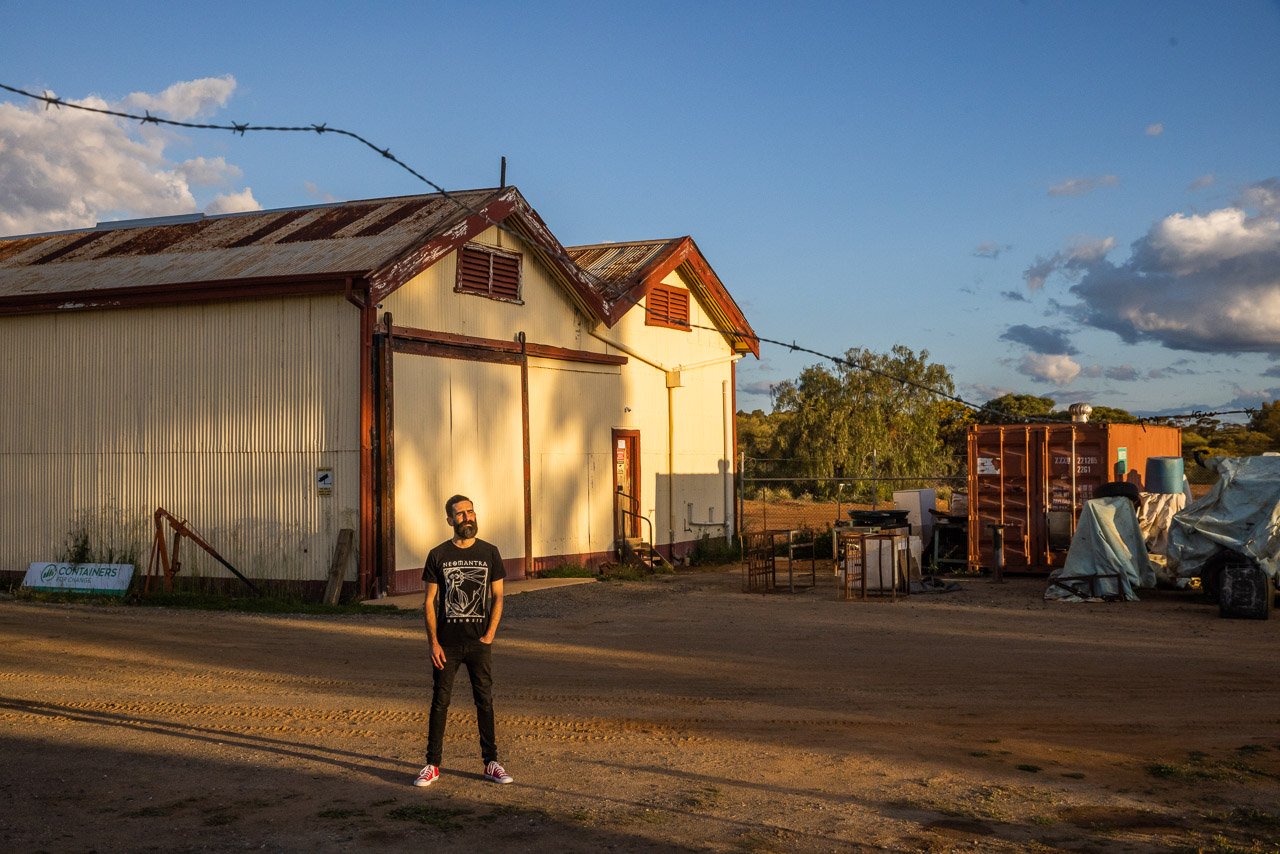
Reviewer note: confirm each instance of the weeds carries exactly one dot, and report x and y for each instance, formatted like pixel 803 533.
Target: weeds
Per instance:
pixel 441 818
pixel 568 570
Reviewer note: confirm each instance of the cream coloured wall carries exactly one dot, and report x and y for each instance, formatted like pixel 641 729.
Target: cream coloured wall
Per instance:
pixel 694 471
pixel 572 410
pixel 219 413
pixel 547 316
pixel 457 430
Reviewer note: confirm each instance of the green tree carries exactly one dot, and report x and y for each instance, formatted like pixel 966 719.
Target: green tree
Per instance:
pixel 1267 420
pixel 1015 407
pixel 1112 415
pixel 861 420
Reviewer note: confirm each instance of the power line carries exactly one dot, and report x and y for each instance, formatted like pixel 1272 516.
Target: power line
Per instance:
pixel 51 100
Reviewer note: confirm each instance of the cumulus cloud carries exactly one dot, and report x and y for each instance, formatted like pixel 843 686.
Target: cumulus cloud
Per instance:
pixel 1273 371
pixel 67 168
pixel 1083 186
pixel 1155 129
pixel 1057 369
pixel 190 99
pixel 1201 282
pixel 233 202
pixel 208 172
pixel 1074 260
pixel 1015 296
pixel 1040 339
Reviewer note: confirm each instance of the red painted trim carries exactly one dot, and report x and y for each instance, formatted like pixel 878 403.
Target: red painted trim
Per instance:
pixel 176 294
pixel 368 486
pixel 404 336
pixel 634 463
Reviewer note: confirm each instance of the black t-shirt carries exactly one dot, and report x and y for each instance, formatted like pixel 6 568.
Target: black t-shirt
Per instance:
pixel 464 576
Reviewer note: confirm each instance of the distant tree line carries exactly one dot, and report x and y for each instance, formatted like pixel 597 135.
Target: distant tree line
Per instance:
pixel 834 431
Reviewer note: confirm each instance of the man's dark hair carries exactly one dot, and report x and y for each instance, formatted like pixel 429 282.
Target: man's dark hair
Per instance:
pixel 448 505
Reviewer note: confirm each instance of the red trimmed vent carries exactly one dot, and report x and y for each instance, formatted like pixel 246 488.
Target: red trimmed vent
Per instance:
pixel 667 306
pixel 488 272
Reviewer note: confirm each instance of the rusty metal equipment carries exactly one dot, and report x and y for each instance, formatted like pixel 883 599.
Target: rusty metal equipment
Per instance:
pixel 760 561
pixel 165 563
pixel 874 561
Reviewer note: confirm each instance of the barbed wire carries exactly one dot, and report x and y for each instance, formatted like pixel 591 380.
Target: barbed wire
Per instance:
pixel 51 100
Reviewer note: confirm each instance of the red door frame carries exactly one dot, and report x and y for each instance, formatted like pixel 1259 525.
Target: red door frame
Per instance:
pixel 632 440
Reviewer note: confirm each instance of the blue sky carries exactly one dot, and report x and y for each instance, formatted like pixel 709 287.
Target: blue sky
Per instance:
pixel 1078 199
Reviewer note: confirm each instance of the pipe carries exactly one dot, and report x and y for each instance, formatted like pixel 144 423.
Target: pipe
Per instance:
pixel 728 456
pixel 671 472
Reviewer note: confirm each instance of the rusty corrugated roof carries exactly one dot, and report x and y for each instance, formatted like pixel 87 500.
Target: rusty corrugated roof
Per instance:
pixel 352 238
pixel 618 267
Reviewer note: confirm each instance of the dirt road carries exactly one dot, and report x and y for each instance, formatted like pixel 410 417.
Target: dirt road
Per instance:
pixel 678 714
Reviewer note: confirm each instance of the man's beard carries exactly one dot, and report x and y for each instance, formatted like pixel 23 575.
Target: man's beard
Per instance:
pixel 465 530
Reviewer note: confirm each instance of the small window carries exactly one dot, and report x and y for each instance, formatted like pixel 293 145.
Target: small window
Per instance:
pixel 667 306
pixel 488 272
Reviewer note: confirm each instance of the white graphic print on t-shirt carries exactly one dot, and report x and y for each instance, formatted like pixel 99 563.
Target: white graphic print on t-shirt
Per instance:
pixel 466 584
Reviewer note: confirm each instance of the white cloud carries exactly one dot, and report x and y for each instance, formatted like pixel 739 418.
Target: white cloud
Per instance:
pixel 208 172
pixel 1201 282
pixel 1082 186
pixel 233 202
pixel 1155 129
pixel 1057 369
pixel 67 168
pixel 1072 261
pixel 190 99
pixel 1202 182
pixel 1189 244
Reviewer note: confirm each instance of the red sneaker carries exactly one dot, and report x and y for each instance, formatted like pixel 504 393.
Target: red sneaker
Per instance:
pixel 428 775
pixel 495 773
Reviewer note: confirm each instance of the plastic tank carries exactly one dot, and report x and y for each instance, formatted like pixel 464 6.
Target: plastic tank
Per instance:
pixel 1164 475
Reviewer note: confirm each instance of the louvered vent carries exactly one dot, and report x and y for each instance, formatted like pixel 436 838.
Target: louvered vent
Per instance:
pixel 489 272
pixel 667 306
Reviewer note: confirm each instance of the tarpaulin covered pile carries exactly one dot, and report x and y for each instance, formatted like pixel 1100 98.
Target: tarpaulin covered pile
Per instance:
pixel 1107 558
pixel 1241 514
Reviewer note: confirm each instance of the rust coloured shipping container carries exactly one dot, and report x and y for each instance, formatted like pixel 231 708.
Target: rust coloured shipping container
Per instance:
pixel 1034 478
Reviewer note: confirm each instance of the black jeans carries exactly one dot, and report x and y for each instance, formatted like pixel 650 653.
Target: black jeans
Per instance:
pixel 478 659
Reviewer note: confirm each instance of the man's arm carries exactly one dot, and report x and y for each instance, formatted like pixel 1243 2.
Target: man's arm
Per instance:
pixel 429 612
pixel 496 587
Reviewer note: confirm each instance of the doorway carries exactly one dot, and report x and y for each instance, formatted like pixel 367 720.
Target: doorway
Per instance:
pixel 626 484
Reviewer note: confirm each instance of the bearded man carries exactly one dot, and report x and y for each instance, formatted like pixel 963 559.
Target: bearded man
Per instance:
pixel 463 607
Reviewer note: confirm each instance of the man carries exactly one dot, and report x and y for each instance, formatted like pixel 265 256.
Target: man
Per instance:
pixel 463 608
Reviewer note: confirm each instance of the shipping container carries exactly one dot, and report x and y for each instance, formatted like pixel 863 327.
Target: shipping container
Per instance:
pixel 1033 479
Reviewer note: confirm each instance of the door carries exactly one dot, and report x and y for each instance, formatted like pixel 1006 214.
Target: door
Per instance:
pixel 626 484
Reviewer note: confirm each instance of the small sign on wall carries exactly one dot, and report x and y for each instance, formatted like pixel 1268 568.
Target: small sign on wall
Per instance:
pixel 324 481
pixel 103 579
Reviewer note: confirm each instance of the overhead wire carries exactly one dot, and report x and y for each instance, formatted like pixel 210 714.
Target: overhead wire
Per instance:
pixel 240 129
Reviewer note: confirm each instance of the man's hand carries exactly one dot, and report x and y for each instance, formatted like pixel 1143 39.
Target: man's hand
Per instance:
pixel 486 638
pixel 437 656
